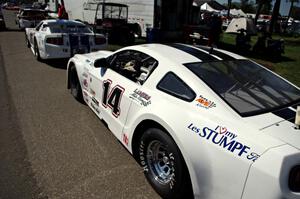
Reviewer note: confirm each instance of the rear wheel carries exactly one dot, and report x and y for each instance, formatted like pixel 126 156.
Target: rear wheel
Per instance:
pixel 164 165
pixel 36 51
pixel 75 84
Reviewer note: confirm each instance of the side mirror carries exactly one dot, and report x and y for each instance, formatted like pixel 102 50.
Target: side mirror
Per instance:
pixel 101 63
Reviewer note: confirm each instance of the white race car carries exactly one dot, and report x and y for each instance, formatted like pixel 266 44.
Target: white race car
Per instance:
pixel 203 123
pixel 30 17
pixel 52 39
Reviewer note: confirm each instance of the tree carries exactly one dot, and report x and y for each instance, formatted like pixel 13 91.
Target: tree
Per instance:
pixel 296 13
pixel 275 15
pixel 260 5
pixel 247 7
pixel 292 6
pixel 229 7
pixel 290 12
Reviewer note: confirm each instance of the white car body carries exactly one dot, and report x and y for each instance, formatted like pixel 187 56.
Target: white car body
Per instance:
pixel 227 155
pixel 53 39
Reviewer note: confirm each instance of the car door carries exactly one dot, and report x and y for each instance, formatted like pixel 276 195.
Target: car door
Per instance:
pixel 111 88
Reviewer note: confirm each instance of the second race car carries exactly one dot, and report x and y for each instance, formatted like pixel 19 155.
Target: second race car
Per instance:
pixel 52 39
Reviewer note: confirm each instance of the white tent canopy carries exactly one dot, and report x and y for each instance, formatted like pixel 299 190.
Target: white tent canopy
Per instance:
pixel 238 13
pixel 241 23
pixel 234 12
pixel 207 7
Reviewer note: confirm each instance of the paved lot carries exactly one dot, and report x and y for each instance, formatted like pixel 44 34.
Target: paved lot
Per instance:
pixel 51 146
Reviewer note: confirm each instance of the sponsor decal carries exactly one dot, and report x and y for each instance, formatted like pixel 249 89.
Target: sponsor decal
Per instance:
pixel 85 94
pixel 225 139
pixel 205 103
pixel 141 97
pixel 95 108
pixel 125 139
pixel 85 83
pixel 96 102
pixel 93 93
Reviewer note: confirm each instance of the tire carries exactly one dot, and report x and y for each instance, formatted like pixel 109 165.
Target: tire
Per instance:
pixel 163 164
pixel 27 41
pixel 75 86
pixel 36 51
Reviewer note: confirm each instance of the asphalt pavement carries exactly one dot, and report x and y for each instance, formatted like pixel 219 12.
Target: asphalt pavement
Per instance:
pixel 51 146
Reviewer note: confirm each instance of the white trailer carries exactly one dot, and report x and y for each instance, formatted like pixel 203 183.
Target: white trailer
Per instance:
pixel 140 12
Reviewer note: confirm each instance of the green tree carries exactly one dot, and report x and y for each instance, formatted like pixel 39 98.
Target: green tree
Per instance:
pixel 261 4
pixel 291 7
pixel 229 7
pixel 247 6
pixel 290 12
pixel 275 15
pixel 296 13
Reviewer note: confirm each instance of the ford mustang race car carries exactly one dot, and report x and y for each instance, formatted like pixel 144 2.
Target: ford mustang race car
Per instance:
pixel 202 122
pixel 62 39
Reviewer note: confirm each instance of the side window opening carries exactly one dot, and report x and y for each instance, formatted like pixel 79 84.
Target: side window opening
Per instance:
pixel 133 65
pixel 173 85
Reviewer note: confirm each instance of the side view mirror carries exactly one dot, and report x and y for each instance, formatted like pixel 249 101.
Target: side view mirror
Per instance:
pixel 101 63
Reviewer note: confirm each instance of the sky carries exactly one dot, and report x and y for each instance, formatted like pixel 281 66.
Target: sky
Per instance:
pixel 284 5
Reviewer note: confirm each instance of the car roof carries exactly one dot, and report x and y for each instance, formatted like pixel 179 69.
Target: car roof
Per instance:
pixel 183 53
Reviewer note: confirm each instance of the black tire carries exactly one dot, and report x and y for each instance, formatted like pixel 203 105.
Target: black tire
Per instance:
pixel 158 154
pixel 75 86
pixel 36 51
pixel 27 41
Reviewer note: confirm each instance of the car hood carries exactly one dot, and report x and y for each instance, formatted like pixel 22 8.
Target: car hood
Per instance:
pixel 280 125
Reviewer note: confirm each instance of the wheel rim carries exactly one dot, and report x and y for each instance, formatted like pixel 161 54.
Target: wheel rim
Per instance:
pixel 160 162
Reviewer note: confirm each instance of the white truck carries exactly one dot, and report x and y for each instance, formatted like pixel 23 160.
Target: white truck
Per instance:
pixel 140 12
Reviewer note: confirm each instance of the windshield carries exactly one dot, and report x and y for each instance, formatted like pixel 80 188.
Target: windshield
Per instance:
pixel 68 28
pixel 112 12
pixel 246 86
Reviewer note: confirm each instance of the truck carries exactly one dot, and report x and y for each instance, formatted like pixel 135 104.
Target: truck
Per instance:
pixel 140 12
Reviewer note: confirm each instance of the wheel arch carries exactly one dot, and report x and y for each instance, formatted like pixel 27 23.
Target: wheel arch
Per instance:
pixel 138 132
pixel 151 123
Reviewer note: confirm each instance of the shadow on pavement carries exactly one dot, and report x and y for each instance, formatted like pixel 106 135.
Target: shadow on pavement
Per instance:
pixel 17 179
pixel 57 63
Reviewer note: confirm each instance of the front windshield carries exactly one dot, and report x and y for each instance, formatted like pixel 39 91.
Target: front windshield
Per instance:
pixel 246 86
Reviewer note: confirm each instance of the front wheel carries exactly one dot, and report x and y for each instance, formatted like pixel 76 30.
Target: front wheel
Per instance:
pixel 37 51
pixel 27 41
pixel 75 84
pixel 164 165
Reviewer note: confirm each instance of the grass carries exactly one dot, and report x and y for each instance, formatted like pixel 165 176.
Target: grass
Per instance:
pixel 288 66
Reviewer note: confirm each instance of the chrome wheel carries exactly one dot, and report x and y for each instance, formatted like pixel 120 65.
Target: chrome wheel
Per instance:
pixel 160 162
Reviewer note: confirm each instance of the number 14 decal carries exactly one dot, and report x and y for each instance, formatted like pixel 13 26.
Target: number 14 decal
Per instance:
pixel 112 97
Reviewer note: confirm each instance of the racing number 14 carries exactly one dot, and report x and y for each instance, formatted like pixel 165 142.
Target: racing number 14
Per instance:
pixel 112 97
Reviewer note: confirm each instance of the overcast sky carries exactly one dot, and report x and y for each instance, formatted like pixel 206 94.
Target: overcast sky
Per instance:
pixel 284 5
